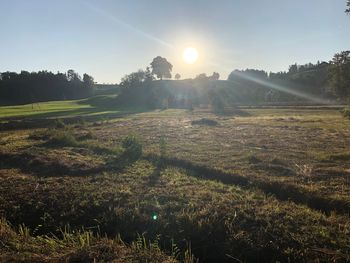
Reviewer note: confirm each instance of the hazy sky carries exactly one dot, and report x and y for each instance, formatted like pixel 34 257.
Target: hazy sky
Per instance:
pixel 110 38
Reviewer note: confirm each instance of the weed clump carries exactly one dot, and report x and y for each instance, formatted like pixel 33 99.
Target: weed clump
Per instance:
pixel 346 112
pixel 62 138
pixel 59 124
pixel 88 136
pixel 74 246
pixel 132 145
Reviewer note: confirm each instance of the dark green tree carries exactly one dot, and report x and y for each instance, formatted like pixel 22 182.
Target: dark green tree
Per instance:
pixel 135 79
pixel 161 67
pixel 32 87
pixel 73 76
pixel 340 74
pixel 89 83
pixel 88 80
pixel 215 76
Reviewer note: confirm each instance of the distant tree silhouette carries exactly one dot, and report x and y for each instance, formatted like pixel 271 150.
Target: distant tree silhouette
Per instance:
pixel 293 69
pixel 88 82
pixel 31 87
pixel 136 79
pixel 177 76
pixel 348 9
pixel 340 74
pixel 215 76
pixel 73 76
pixel 161 67
pixel 131 80
pixel 201 76
pixel 148 75
pixel 139 89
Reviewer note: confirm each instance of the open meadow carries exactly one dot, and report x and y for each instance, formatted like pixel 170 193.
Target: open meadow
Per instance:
pixel 255 184
pixel 175 131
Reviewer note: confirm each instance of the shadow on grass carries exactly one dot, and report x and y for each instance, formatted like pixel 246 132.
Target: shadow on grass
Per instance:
pixel 282 191
pixel 156 174
pixel 49 167
pixel 44 167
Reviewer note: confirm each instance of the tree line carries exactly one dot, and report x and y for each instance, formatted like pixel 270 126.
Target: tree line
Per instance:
pixel 326 80
pixel 330 80
pixel 300 83
pixel 30 87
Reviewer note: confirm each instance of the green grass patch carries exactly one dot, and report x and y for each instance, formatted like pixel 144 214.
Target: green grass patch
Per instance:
pixel 42 109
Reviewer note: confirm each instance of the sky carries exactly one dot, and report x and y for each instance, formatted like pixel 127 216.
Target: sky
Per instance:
pixel 110 38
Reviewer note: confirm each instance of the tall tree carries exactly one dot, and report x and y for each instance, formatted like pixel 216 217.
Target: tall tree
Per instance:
pixel 348 9
pixel 340 74
pixel 88 83
pixel 161 67
pixel 73 76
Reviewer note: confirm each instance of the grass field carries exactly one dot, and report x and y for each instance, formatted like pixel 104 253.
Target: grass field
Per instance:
pixel 98 106
pixel 272 184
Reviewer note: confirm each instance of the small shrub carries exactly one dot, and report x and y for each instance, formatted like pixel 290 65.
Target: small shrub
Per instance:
pixel 132 145
pixel 346 112
pixel 87 136
pixel 62 138
pixel 99 149
pixel 80 123
pixel 59 124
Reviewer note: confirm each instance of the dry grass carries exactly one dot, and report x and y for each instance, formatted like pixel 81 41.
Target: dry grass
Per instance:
pixel 249 188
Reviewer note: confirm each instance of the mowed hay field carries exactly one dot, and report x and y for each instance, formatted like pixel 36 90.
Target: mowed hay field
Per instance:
pixel 257 185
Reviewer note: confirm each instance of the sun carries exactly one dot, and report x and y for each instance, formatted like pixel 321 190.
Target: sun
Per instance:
pixel 190 55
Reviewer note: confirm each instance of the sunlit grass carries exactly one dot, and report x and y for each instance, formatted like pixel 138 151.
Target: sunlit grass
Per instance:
pixel 31 110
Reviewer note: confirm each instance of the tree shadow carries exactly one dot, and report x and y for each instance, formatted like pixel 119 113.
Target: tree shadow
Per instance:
pixel 42 166
pixel 281 190
pixel 155 176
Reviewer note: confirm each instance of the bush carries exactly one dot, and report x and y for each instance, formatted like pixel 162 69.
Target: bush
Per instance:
pixel 346 112
pixel 59 124
pixel 132 145
pixel 62 138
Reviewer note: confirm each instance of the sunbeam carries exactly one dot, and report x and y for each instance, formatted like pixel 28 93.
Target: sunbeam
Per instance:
pixel 277 87
pixel 105 14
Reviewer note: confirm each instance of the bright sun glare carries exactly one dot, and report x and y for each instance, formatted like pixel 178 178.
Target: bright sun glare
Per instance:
pixel 190 55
